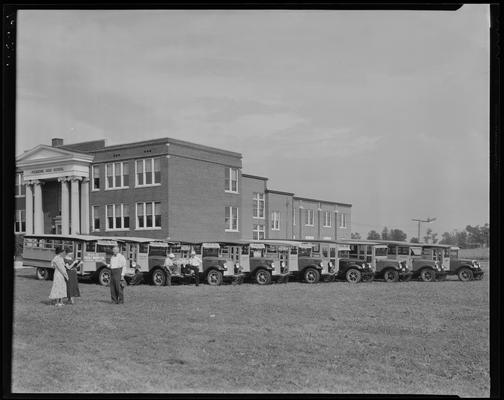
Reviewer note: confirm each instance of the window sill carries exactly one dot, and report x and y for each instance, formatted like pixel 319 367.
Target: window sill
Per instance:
pixel 115 188
pixel 230 191
pixel 231 230
pixel 148 185
pixel 156 228
pixel 342 227
pixel 259 217
pixel 116 230
pixel 309 225
pixel 275 229
pixel 326 226
pixel 20 196
pixel 95 190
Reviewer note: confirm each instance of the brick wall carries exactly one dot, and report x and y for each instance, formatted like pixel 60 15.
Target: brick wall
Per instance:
pixel 283 204
pixel 249 186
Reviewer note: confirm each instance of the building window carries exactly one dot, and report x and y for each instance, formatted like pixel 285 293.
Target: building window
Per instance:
pixel 95 177
pixel 20 188
pixel 309 217
pixel 275 221
pixel 342 220
pixel 117 216
pixel 257 231
pixel 95 219
pixel 117 175
pixel 231 219
pixel 148 172
pixel 148 215
pixel 327 219
pixel 231 181
pixel 258 205
pixel 294 211
pixel 20 222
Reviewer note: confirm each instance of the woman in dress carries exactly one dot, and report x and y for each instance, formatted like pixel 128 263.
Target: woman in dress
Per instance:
pixel 72 282
pixel 59 290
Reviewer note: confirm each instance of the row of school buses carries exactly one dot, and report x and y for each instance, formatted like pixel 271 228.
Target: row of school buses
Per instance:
pixel 259 261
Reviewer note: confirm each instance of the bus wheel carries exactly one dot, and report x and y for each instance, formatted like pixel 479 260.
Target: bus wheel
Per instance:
pixel 427 275
pixel 311 275
pixel 353 275
pixel 214 277
pixel 263 277
pixel 158 277
pixel 465 274
pixel 104 277
pixel 391 275
pixel 43 274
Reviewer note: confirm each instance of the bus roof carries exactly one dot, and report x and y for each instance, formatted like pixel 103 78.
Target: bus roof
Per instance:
pixel 136 239
pixel 398 243
pixel 86 238
pixel 359 241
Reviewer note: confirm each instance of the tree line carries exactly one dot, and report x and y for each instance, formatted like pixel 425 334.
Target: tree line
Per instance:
pixel 471 236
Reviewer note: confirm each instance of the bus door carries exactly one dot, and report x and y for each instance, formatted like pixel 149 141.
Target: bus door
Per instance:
pixel 235 255
pixel 414 253
pixel 245 258
pixel 283 259
pixel 293 259
pixel 324 252
pixel 333 257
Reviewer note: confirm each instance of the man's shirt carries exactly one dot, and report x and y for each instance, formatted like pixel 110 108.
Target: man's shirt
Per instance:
pixel 118 261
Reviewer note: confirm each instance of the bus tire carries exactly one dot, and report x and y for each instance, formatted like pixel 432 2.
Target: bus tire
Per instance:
pixel 311 275
pixel 262 277
pixel 465 275
pixel 391 275
pixel 104 276
pixel 427 275
pixel 43 274
pixel 158 277
pixel 353 275
pixel 214 277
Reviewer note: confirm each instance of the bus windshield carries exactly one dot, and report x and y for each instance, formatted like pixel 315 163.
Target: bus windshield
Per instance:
pixel 305 252
pixel 381 251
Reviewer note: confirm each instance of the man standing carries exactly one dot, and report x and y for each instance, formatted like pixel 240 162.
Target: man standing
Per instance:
pixel 117 269
pixel 168 265
pixel 194 264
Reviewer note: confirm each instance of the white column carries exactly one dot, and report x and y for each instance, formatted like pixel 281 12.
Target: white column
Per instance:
pixel 75 208
pixel 85 206
pixel 38 212
pixel 29 208
pixel 65 206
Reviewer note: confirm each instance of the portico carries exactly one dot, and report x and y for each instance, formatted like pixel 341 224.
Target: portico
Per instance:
pixel 57 190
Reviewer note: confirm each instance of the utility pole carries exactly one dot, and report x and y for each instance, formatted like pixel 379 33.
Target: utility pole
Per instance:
pixel 428 220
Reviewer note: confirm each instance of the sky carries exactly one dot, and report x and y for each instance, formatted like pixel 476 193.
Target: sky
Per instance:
pixel 388 111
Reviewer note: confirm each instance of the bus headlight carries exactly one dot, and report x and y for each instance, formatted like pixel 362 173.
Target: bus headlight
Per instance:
pixel 133 264
pixel 272 265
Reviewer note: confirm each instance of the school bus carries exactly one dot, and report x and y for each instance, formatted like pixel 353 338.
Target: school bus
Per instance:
pixel 93 251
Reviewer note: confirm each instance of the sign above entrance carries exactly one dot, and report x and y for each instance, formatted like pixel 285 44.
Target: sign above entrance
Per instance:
pixel 43 171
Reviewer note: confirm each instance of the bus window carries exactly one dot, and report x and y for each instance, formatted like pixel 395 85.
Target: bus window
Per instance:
pixel 210 252
pixel 293 250
pixel 369 250
pixel 343 254
pixel 91 247
pixel 304 252
pixel 416 251
pixel 143 248
pixel 197 248
pixel 332 252
pixel 403 251
pixel 325 252
pixel 453 253
pixel 392 250
pixel 48 244
pixel 316 248
pixel 225 251
pixel 157 251
pixel 245 250
pixel 68 245
pixel 353 250
pixel 381 251
pixel 270 249
pixel 100 248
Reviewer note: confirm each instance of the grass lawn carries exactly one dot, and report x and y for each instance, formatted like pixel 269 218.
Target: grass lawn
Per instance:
pixel 409 337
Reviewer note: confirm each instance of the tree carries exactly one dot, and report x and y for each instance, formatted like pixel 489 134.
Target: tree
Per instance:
pixel 385 234
pixel 356 235
pixel 373 235
pixel 461 239
pixel 397 234
pixel 414 240
pixel 434 238
pixel 428 235
pixel 448 238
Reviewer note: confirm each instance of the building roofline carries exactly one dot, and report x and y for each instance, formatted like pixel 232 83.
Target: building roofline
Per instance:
pixel 169 141
pixel 322 201
pixel 279 192
pixel 254 177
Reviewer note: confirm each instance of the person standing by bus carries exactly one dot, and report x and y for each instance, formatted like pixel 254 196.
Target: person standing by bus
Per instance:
pixel 117 271
pixel 59 289
pixel 194 264
pixel 168 266
pixel 72 282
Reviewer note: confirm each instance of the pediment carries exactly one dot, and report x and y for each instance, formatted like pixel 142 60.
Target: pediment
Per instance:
pixel 43 153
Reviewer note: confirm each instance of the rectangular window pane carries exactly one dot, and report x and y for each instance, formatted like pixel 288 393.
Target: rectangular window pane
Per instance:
pixel 139 170
pixel 148 171
pixel 125 174
pixel 96 177
pixel 157 170
pixel 109 173
pixel 140 216
pixel 125 216
pixel 227 180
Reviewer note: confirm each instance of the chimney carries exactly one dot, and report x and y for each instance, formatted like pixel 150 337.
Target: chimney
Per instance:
pixel 57 142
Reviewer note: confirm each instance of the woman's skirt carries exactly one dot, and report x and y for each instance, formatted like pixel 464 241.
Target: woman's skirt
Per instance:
pixel 72 284
pixel 59 288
